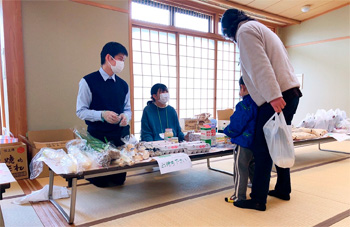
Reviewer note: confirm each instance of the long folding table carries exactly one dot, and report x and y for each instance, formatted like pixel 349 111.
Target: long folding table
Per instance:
pixel 73 178
pixel 213 153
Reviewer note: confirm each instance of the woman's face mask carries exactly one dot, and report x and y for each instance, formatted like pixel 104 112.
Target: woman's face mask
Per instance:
pixel 164 98
pixel 118 67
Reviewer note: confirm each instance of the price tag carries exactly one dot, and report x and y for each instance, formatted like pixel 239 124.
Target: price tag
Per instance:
pixel 173 162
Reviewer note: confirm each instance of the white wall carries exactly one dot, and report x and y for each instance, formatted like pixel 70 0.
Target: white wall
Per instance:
pixel 324 60
pixel 62 43
pixel 63 40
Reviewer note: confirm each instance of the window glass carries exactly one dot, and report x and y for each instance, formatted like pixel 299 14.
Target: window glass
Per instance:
pixel 207 70
pixel 194 67
pixel 219 28
pixel 228 74
pixel 155 63
pixel 191 22
pixel 150 14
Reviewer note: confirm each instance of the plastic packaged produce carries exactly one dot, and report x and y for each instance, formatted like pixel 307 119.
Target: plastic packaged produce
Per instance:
pixel 69 164
pixel 132 152
pixel 60 157
pixel 102 153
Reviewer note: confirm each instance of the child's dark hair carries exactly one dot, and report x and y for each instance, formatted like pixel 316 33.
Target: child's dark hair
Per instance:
pixel 113 49
pixel 241 82
pixel 155 89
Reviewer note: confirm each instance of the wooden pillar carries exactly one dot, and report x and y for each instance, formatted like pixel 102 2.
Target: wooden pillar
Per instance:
pixel 13 37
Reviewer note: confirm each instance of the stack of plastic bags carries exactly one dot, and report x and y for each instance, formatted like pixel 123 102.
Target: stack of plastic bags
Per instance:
pixel 79 158
pixel 331 120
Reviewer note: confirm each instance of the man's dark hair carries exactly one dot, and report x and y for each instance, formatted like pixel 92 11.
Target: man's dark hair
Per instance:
pixel 154 90
pixel 113 49
pixel 230 21
pixel 241 82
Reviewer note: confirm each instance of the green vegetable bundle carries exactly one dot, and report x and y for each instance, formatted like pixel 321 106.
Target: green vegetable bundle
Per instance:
pixel 93 142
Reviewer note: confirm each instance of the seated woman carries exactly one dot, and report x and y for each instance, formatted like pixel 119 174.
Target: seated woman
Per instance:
pixel 157 116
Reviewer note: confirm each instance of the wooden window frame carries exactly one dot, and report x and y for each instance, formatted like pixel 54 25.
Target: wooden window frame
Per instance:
pixel 13 43
pixel 178 31
pixel 215 15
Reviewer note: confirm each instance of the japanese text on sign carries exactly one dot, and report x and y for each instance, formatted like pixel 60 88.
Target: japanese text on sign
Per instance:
pixel 173 162
pixel 14 164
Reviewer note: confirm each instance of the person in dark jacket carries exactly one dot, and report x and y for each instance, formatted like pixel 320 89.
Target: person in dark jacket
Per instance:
pixel 103 102
pixel 241 131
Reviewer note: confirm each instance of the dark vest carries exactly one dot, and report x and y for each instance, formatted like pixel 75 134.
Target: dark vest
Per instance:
pixel 106 95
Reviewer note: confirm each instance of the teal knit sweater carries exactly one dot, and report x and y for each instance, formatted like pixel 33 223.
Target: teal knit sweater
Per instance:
pixel 153 123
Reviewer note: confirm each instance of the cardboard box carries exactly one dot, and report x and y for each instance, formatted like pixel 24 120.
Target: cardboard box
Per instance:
pixel 14 155
pixel 53 145
pixel 224 118
pixel 55 139
pixel 225 114
pixel 188 124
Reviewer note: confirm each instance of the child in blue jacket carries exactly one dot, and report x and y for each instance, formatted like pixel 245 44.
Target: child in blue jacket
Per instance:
pixel 241 131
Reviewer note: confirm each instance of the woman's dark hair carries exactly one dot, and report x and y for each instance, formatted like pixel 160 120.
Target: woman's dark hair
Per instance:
pixel 230 21
pixel 113 49
pixel 155 89
pixel 241 82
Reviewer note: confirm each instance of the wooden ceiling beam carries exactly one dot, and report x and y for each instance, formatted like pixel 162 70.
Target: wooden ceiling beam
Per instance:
pixel 192 5
pixel 258 14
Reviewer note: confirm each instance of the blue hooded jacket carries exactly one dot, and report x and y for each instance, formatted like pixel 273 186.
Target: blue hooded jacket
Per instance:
pixel 242 123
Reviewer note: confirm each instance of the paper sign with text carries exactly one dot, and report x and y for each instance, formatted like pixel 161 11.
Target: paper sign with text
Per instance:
pixel 173 162
pixel 5 174
pixel 339 137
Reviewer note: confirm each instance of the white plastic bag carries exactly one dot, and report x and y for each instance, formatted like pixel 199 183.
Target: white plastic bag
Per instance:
pixel 308 122
pixel 43 195
pixel 279 140
pixel 68 163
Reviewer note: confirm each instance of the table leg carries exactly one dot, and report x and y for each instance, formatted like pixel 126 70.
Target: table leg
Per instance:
pixel 70 218
pixel 341 152
pixel 3 187
pixel 73 200
pixel 217 170
pixel 208 163
pixel 51 178
pixel 1 219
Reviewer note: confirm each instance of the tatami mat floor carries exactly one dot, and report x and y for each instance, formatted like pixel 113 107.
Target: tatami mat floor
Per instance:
pixel 195 197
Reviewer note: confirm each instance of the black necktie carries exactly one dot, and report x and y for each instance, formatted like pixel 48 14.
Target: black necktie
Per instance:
pixel 110 81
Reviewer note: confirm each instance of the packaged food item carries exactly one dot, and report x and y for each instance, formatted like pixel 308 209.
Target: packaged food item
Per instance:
pixel 213 132
pixel 192 136
pixel 220 138
pixel 203 119
pixel 171 148
pixel 206 134
pixel 196 147
pixel 168 134
pixel 174 139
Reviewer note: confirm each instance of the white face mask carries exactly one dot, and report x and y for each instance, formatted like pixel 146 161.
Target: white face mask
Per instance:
pixel 164 98
pixel 119 66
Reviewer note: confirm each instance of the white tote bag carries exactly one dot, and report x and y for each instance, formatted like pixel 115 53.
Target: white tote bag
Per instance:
pixel 279 140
